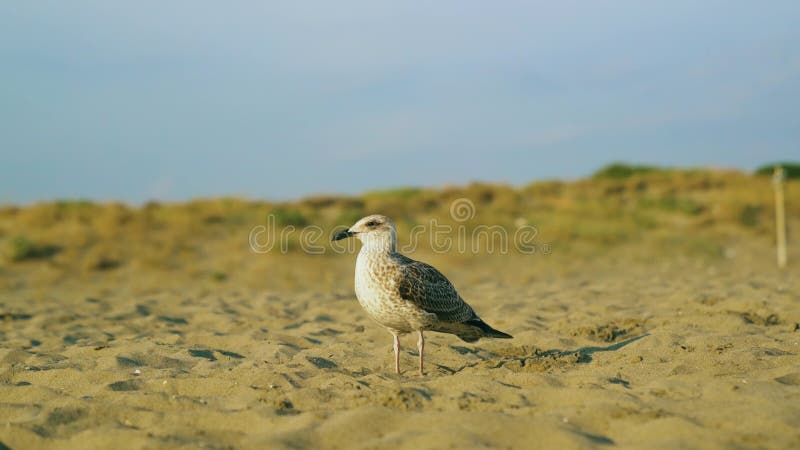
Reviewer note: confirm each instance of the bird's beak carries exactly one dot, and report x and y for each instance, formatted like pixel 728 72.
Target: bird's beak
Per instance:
pixel 341 235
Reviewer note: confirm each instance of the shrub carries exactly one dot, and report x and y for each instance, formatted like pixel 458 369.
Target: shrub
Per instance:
pixel 619 171
pixel 684 205
pixel 791 170
pixel 23 249
pixel 750 215
pixel 219 276
pixel 285 216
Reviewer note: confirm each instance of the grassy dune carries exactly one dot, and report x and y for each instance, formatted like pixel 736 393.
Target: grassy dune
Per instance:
pixel 673 213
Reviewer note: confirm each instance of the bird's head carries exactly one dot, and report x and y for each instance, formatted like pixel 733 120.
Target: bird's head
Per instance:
pixel 376 232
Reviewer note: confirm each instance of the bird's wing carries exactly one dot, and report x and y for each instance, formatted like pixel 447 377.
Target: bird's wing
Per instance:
pixel 424 286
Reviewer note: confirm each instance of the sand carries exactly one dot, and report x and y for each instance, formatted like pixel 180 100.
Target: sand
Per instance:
pixel 607 354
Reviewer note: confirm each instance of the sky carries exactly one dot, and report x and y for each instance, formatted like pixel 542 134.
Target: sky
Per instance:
pixel 138 101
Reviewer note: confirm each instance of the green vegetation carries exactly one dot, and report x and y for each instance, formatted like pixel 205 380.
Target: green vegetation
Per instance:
pixel 674 203
pixel 790 169
pixel 219 276
pixel 619 171
pixel 750 215
pixel 286 216
pixel 22 249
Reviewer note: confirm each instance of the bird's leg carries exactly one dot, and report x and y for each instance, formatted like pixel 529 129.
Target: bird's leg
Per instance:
pixel 396 354
pixel 421 349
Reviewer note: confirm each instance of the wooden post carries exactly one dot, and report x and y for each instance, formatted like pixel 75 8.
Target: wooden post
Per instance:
pixel 780 215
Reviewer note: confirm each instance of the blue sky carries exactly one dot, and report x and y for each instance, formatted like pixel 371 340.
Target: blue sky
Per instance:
pixel 175 100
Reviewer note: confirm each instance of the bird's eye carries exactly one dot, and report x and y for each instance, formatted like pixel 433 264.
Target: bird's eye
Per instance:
pixel 371 223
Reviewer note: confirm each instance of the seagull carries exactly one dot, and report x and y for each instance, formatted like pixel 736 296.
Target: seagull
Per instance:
pixel 404 295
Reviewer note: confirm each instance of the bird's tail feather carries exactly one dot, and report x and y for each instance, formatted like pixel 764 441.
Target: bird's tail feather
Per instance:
pixel 487 330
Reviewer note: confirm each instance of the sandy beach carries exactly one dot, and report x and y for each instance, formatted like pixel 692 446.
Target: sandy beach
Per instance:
pixel 665 355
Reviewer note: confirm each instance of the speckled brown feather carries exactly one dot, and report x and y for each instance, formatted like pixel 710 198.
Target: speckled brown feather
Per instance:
pixel 424 286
